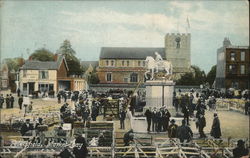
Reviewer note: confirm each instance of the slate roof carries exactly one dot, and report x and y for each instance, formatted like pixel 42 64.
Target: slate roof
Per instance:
pixel 44 65
pixel 130 52
pixel 87 63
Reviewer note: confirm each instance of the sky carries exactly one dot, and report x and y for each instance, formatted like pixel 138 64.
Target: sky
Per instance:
pixel 89 25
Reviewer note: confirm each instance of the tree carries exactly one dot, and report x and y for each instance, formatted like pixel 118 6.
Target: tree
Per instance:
pixel 196 77
pixel 42 55
pixel 14 63
pixel 199 75
pixel 211 75
pixel 74 65
pixel 186 79
pixel 93 78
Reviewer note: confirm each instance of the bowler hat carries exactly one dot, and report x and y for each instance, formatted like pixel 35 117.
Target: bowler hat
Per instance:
pixel 172 121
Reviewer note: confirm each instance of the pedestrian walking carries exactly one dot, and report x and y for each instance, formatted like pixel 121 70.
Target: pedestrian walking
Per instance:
pixel 215 130
pixel 201 125
pixel 94 113
pixel 148 115
pixel 166 116
pixel 1 101
pixel 7 101
pixel 184 133
pixel 185 111
pixel 58 98
pixel 85 115
pixel 172 129
pixel 122 117
pixel 20 101
pixel 18 92
pixel 12 100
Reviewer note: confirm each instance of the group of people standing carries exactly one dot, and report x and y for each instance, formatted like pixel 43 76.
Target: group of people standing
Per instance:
pixel 9 100
pixel 159 118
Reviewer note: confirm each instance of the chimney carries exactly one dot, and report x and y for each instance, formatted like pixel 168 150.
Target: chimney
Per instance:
pixel 55 57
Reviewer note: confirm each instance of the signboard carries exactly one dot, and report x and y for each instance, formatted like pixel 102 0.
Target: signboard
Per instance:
pixel 67 126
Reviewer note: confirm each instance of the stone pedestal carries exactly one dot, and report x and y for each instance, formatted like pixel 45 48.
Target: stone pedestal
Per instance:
pixel 159 93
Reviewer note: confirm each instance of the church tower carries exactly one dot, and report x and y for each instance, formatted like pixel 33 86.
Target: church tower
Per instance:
pixel 178 52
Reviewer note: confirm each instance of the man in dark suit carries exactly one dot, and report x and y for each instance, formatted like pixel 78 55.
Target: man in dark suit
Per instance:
pixel 26 127
pixel 122 117
pixel 12 99
pixel 154 119
pixel 148 115
pixel 20 102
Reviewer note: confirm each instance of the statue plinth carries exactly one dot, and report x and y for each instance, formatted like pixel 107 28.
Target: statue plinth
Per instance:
pixel 159 93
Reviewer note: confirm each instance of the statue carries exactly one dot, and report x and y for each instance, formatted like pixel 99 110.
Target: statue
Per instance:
pixel 158 57
pixel 154 65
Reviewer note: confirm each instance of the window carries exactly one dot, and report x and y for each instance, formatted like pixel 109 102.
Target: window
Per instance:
pixel 24 73
pixel 232 69
pixel 134 77
pixel 235 84
pixel 123 63
pixel 43 75
pixel 112 63
pixel 143 63
pixel 125 80
pixel 242 56
pixel 139 63
pixel 24 86
pixel 232 56
pixel 242 69
pixel 109 77
pixel 127 62
pixel 107 63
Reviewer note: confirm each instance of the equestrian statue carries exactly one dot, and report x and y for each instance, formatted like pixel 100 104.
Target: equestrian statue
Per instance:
pixel 157 65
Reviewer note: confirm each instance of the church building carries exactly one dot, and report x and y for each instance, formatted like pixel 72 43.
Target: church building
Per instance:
pixel 126 65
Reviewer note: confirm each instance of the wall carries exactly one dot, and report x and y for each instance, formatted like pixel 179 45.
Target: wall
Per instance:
pixel 62 71
pixel 180 57
pixel 242 79
pixel 33 76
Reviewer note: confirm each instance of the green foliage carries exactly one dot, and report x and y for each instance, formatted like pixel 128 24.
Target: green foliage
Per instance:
pixel 74 65
pixel 93 78
pixel 186 79
pixel 211 75
pixel 42 55
pixel 14 63
pixel 197 77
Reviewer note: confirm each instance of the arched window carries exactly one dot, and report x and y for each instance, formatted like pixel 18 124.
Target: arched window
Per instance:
pixel 134 77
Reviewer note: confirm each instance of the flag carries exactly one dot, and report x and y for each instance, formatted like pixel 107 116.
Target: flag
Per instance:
pixel 188 24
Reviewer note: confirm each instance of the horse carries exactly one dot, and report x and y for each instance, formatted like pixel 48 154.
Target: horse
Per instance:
pixel 155 66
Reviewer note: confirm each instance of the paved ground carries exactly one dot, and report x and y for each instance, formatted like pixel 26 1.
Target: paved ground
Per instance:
pixel 233 124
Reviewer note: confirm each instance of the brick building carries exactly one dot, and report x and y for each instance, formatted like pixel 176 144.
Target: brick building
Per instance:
pixel 126 65
pixel 4 76
pixel 237 74
pixel 48 76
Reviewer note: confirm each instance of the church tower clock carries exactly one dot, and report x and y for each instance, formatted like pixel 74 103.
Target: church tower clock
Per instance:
pixel 178 51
